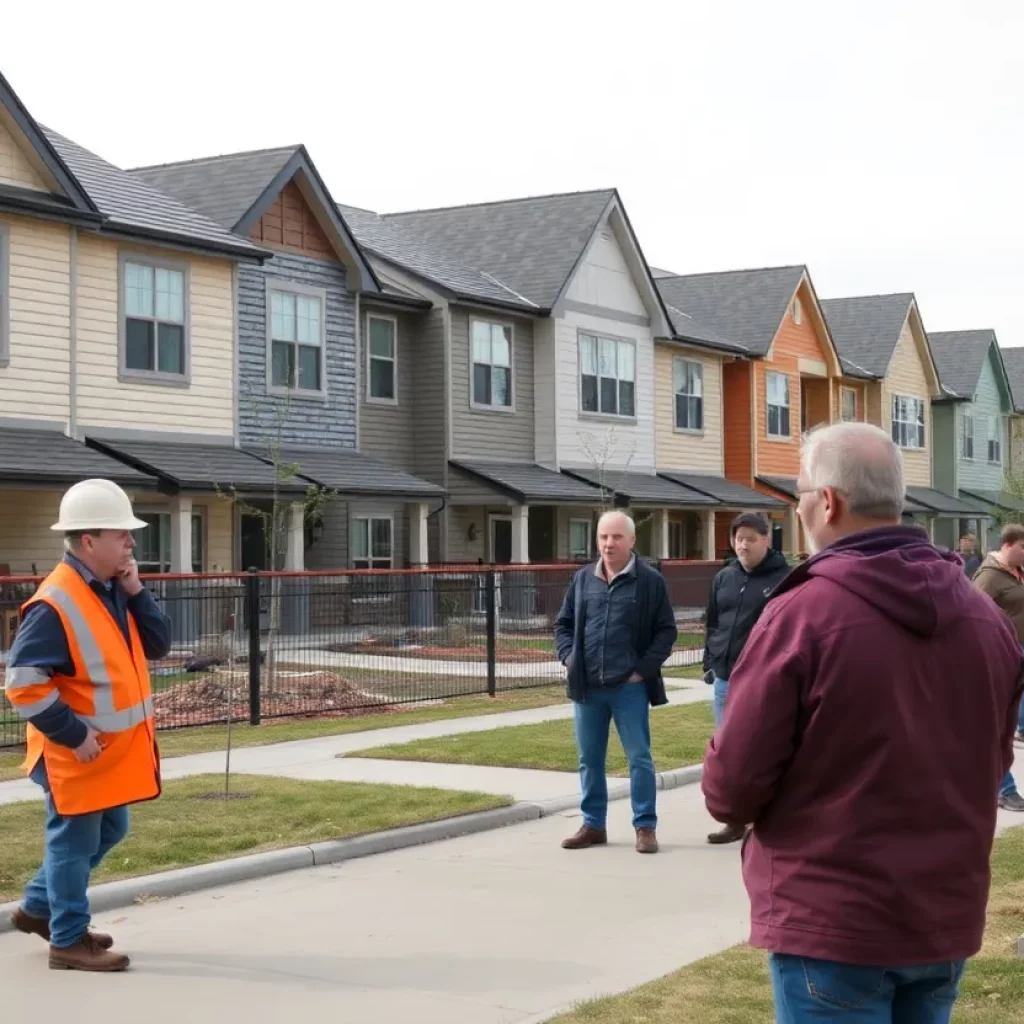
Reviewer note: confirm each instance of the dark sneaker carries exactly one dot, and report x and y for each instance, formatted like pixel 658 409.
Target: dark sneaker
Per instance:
pixel 729 834
pixel 585 837
pixel 1012 802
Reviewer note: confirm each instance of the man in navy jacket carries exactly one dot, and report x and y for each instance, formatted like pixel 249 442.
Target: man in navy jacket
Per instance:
pixel 613 633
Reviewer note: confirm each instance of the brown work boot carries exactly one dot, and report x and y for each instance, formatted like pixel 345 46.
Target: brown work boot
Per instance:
pixel 585 837
pixel 87 955
pixel 646 841
pixel 729 834
pixel 40 926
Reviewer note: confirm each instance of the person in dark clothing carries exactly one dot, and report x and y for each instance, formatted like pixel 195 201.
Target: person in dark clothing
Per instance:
pixel 739 593
pixel 868 768
pixel 969 553
pixel 613 633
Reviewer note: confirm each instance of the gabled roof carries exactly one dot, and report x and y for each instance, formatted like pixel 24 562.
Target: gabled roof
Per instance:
pixel 1013 361
pixel 866 329
pixel 959 357
pixel 236 189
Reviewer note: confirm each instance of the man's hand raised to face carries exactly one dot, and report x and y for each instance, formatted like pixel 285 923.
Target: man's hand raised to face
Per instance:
pixel 129 577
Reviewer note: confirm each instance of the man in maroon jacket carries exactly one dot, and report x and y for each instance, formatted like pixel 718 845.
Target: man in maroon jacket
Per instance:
pixel 870 719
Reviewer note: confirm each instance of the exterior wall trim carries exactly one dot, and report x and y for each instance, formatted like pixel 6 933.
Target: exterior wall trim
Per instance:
pixel 606 313
pixel 365 365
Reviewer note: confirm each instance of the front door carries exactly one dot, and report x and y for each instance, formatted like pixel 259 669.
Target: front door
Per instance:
pixel 501 540
pixel 254 545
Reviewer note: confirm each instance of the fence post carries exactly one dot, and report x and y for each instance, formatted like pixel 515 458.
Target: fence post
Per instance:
pixel 492 631
pixel 252 624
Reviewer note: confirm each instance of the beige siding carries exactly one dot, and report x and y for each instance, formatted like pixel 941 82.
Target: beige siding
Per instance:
pixel 35 384
pixel 25 534
pixel 676 449
pixel 205 405
pixel 907 377
pixel 220 535
pixel 15 166
pixel 485 433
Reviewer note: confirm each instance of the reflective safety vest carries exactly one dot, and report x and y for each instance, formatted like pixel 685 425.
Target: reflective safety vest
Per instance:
pixel 109 691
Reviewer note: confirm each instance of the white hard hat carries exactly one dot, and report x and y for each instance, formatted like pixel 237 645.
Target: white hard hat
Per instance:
pixel 96 505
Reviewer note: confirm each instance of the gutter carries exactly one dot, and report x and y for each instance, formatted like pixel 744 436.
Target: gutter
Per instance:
pixel 248 254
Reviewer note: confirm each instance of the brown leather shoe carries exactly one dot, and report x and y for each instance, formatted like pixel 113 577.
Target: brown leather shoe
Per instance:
pixel 729 834
pixel 87 955
pixel 585 837
pixel 40 926
pixel 646 841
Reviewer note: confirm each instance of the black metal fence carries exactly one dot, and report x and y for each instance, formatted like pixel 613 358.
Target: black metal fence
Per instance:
pixel 254 646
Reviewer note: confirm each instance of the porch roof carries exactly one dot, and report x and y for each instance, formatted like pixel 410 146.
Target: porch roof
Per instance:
pixel 51 457
pixel 646 489
pixel 940 503
pixel 528 483
pixel 350 473
pixel 725 492
pixel 911 505
pixel 1001 500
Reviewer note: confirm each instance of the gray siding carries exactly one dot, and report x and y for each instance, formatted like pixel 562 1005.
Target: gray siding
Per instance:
pixel 484 434
pixel 988 401
pixel 310 421
pixel 430 400
pixel 944 447
pixel 332 550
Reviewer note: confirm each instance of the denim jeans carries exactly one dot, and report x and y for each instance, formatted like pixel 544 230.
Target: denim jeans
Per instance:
pixel 628 707
pixel 820 990
pixel 721 691
pixel 74 846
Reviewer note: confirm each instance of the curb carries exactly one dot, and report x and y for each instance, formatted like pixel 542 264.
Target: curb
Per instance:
pixel 169 884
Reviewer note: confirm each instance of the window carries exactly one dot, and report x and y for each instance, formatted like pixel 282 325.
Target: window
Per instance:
pixel 798 311
pixel 967 436
pixel 296 328
pixel 995 439
pixel 5 312
pixel 908 421
pixel 848 405
pixel 371 543
pixel 154 308
pixel 607 376
pixel 676 539
pixel 153 544
pixel 580 540
pixel 381 374
pixel 689 388
pixel 777 386
pixel 492 364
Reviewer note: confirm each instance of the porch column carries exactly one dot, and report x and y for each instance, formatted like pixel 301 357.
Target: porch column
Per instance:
pixel 421 593
pixel 982 550
pixel 931 528
pixel 296 546
pixel 708 524
pixel 182 606
pixel 520 534
pixel 293 592
pixel 181 534
pixel 660 539
pixel 417 516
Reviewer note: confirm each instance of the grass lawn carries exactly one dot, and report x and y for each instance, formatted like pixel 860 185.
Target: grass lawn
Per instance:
pixel 684 671
pixel 179 829
pixel 734 988
pixel 10 766
pixel 679 736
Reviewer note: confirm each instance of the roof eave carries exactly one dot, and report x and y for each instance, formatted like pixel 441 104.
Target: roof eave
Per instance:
pixel 25 206
pixel 188 243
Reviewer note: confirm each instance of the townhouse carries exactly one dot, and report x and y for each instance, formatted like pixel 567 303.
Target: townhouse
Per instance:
pixel 1013 362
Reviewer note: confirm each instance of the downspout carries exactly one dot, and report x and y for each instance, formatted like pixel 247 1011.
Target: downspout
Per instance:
pixel 73 333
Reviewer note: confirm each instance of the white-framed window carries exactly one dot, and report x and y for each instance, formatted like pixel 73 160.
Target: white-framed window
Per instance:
pixel 153 544
pixel 381 358
pixel 967 436
pixel 153 328
pixel 5 305
pixel 491 345
pixel 777 392
pixel 848 405
pixel 688 383
pixel 908 421
pixel 371 542
pixel 798 311
pixel 607 376
pixel 581 539
pixel 296 338
pixel 995 440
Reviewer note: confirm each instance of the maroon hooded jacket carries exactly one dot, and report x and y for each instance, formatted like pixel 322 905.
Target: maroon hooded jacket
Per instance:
pixel 869 722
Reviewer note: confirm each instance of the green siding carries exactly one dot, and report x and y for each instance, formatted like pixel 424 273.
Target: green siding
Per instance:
pixel 990 400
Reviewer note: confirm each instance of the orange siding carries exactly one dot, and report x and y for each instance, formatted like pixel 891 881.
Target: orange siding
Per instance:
pixel 857 387
pixel 738 440
pixel 816 394
pixel 289 224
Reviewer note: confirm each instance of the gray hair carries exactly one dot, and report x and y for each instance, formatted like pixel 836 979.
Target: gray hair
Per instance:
pixel 862 462
pixel 628 520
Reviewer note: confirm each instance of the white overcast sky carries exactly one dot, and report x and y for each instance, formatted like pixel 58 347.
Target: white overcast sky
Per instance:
pixel 879 141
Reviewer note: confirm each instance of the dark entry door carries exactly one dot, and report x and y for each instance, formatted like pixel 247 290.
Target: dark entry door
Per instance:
pixel 501 541
pixel 254 546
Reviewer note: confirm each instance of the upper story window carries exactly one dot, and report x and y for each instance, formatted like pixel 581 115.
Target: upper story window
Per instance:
pixel 492 364
pixel 154 320
pixel 908 421
pixel 798 311
pixel 967 436
pixel 847 405
pixel 607 376
pixel 382 350
pixel 688 381
pixel 777 390
pixel 296 338
pixel 995 439
pixel 5 311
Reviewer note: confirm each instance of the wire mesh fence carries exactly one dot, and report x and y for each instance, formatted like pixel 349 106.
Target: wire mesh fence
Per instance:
pixel 254 646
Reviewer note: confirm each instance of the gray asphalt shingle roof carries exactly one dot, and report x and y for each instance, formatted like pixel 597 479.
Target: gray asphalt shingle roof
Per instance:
pixel 350 473
pixel 529 482
pixel 745 307
pixel 787 485
pixel 644 488
pixel 866 329
pixel 944 504
pixel 959 357
pixel 724 491
pixel 1013 360
pixel 997 499
pixel 50 456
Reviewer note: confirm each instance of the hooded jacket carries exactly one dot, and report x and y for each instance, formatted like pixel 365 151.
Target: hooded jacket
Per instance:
pixel 870 721
pixel 994 579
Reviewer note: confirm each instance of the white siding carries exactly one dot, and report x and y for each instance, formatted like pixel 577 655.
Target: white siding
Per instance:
pixel 604 279
pixel 15 166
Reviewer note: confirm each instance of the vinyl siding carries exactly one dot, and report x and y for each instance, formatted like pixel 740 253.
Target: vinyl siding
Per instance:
pixel 35 384
pixel 604 278
pixel 545 395
pixel 333 551
pixel 218 524
pixel 945 446
pixel 430 443
pixel 737 447
pixel 683 450
pixel 15 166
pixel 906 377
pixel 205 406
pixel 857 387
pixel 1016 431
pixel 25 534
pixel 988 401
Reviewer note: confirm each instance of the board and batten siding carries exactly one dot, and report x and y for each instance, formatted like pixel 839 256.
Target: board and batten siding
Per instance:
pixel 700 451
pixel 205 405
pixel 988 402
pixel 505 435
pixel 906 376
pixel 309 420
pixel 35 381
pixel 15 167
pixel 25 535
pixel 604 278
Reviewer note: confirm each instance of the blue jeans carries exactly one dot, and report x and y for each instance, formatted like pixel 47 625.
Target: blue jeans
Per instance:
pixel 627 706
pixel 721 691
pixel 820 990
pixel 74 846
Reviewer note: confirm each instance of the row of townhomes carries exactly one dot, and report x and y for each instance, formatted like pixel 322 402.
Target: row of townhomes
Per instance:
pixel 470 384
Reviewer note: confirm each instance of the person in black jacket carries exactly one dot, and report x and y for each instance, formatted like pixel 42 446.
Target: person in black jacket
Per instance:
pixel 739 593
